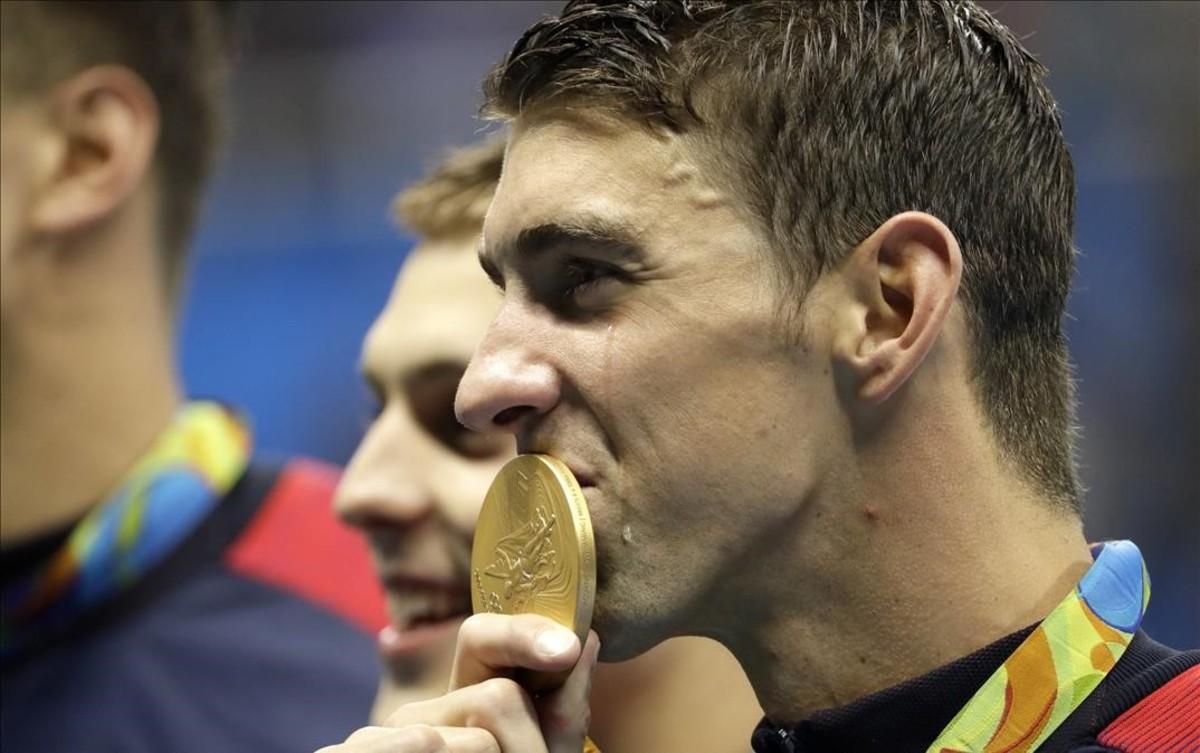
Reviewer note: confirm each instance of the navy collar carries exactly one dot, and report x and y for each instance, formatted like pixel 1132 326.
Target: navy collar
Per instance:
pixel 904 717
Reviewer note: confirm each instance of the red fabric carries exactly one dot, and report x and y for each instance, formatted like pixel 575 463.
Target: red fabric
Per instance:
pixel 1166 721
pixel 296 543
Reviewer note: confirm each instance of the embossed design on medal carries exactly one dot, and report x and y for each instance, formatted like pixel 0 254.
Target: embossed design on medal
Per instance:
pixel 528 564
pixel 533 549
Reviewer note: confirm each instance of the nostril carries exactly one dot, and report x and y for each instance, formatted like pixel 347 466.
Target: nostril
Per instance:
pixel 509 415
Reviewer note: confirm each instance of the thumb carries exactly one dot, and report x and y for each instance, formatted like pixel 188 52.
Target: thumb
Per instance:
pixel 564 714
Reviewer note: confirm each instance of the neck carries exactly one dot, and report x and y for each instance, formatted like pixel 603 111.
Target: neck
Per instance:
pixel 896 574
pixel 88 384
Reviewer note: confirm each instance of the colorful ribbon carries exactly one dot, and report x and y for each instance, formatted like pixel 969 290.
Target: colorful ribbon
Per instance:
pixel 191 466
pixel 1060 663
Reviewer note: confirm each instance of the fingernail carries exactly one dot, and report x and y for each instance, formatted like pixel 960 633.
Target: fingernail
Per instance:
pixel 554 642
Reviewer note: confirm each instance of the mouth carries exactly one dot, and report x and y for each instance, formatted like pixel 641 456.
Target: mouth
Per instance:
pixel 585 480
pixel 425 613
pixel 583 476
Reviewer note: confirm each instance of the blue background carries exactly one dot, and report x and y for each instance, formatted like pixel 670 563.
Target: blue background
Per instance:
pixel 338 105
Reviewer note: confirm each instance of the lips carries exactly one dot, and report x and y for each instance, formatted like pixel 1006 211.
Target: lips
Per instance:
pixel 583 476
pixel 398 645
pixel 544 445
pixel 413 601
pixel 585 480
pixel 424 612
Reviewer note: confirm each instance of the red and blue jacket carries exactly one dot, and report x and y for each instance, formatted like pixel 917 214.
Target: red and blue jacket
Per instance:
pixel 255 634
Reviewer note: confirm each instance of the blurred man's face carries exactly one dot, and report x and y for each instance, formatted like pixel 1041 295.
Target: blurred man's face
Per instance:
pixel 640 341
pixel 417 481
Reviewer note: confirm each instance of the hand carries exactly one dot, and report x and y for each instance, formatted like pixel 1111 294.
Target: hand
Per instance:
pixel 486 711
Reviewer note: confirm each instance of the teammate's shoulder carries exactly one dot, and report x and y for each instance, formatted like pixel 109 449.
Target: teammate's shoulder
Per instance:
pixel 1166 720
pixel 296 543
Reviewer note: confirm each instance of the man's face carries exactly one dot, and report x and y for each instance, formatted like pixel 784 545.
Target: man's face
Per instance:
pixel 640 341
pixel 418 478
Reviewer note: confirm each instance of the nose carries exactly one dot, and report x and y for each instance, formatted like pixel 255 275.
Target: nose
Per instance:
pixel 385 482
pixel 509 382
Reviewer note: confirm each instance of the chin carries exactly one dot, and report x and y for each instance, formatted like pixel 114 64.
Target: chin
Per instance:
pixel 624 637
pixel 619 646
pixel 409 671
pixel 395 692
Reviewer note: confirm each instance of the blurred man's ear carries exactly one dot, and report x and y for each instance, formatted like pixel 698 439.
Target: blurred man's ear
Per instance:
pixel 903 280
pixel 104 126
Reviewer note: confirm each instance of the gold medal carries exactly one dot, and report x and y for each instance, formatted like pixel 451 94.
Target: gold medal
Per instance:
pixel 533 550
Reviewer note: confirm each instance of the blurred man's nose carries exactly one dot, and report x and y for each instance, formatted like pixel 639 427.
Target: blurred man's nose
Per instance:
pixel 385 482
pixel 508 383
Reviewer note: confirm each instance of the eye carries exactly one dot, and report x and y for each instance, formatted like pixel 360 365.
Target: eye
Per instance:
pixel 431 398
pixel 583 281
pixel 476 445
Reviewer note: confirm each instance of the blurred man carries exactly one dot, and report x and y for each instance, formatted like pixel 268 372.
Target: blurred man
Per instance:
pixel 161 591
pixel 417 481
pixel 783 286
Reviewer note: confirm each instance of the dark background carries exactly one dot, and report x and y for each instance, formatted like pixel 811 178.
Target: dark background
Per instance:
pixel 338 105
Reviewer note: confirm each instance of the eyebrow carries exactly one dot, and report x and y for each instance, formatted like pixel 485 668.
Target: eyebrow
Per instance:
pixel 596 235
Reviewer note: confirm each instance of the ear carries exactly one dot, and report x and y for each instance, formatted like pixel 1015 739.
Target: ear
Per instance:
pixel 106 121
pixel 903 279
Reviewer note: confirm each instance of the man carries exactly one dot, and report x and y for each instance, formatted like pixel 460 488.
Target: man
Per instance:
pixel 783 286
pixel 417 481
pixel 160 590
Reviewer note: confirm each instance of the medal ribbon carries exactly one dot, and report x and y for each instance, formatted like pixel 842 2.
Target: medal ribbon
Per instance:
pixel 1060 663
pixel 191 466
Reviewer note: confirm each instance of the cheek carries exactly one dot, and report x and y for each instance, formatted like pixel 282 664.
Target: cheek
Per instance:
pixel 14 178
pixel 688 385
pixel 7 225
pixel 718 432
pixel 10 211
pixel 464 485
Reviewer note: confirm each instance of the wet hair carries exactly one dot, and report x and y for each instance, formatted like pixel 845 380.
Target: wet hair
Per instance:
pixel 831 117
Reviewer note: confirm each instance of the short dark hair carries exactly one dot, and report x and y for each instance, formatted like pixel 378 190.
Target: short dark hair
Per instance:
pixel 180 49
pixel 454 196
pixel 837 115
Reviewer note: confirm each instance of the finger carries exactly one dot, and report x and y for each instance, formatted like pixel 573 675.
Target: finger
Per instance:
pixel 564 715
pixel 418 738
pixel 413 739
pixel 498 706
pixel 492 645
pixel 469 740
